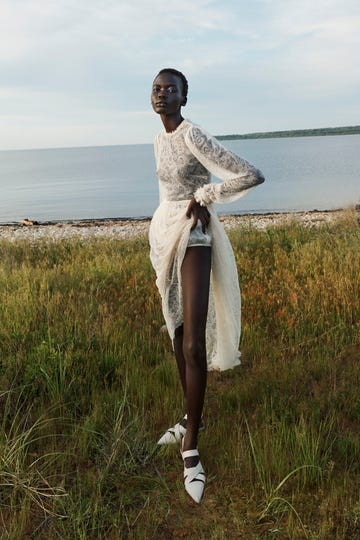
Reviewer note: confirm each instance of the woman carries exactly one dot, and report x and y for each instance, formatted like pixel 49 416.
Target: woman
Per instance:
pixel 193 258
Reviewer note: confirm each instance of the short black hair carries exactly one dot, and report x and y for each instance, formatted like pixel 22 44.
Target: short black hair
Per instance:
pixel 180 75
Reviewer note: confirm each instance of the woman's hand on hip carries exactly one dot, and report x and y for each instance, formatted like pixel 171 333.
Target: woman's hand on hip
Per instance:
pixel 198 212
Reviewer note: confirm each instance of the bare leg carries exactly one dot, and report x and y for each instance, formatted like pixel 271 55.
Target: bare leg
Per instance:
pixel 195 274
pixel 179 355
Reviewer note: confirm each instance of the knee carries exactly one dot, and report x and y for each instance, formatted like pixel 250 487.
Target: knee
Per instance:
pixel 194 351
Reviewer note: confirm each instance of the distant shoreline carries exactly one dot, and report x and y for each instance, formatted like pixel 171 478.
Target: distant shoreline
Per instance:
pixel 312 132
pixel 316 132
pixel 108 221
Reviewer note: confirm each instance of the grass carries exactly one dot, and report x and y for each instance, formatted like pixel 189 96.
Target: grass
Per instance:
pixel 88 383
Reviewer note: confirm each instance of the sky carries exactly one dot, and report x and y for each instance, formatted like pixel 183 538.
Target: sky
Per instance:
pixel 79 73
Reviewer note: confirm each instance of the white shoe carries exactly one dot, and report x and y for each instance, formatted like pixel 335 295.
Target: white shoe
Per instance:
pixel 194 477
pixel 174 434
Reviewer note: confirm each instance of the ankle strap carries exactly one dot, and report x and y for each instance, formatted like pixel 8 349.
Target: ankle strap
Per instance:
pixel 190 453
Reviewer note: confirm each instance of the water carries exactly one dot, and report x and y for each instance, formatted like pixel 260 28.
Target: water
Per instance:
pixel 119 181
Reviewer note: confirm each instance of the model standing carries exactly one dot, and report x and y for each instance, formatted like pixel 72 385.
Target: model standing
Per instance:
pixel 193 259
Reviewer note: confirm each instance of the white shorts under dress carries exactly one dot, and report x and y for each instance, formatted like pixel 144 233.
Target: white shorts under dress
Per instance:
pixel 199 238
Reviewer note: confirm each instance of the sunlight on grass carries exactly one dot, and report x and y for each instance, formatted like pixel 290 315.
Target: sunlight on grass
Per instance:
pixel 88 382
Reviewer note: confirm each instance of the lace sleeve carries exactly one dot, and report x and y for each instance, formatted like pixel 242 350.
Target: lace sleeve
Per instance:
pixel 238 175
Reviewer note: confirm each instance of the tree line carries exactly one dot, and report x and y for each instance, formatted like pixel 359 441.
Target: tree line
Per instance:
pixel 317 132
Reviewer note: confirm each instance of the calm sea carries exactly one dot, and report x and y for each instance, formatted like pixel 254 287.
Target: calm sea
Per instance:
pixel 119 181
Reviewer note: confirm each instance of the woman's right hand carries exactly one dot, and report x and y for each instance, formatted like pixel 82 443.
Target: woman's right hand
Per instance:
pixel 198 212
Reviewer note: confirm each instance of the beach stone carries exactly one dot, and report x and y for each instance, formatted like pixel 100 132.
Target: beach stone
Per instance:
pixel 125 228
pixel 29 222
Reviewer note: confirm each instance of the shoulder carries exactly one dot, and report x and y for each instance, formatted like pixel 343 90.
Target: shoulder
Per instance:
pixel 197 135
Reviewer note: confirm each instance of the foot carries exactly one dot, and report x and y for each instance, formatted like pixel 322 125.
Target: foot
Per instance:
pixel 194 476
pixel 175 433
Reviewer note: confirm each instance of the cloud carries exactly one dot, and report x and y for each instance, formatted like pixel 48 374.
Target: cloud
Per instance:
pixel 94 60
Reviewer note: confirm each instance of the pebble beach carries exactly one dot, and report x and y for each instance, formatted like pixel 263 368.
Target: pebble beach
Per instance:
pixel 121 228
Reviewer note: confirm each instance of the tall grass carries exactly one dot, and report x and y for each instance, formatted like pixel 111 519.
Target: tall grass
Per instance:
pixel 88 382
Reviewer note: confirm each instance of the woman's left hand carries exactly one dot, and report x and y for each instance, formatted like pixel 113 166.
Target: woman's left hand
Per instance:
pixel 198 212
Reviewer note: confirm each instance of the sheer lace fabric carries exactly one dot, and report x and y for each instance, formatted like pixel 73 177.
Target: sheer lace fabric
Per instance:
pixel 184 160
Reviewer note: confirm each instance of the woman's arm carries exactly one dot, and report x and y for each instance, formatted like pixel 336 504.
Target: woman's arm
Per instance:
pixel 238 175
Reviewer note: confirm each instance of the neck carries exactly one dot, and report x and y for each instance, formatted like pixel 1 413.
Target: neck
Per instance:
pixel 172 121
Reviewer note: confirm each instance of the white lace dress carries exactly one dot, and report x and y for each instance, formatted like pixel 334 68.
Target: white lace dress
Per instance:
pixel 184 160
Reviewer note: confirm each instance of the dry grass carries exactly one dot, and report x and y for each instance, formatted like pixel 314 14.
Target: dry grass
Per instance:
pixel 88 383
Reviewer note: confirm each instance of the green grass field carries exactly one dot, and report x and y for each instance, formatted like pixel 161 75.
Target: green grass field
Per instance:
pixel 88 383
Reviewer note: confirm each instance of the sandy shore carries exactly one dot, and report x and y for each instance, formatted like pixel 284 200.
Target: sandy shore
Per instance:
pixel 129 228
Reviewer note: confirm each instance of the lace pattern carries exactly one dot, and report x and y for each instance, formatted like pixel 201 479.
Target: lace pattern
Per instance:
pixel 185 159
pixel 238 175
pixel 178 170
pixel 169 236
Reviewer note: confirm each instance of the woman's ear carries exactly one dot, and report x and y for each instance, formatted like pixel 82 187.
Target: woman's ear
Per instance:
pixel 184 101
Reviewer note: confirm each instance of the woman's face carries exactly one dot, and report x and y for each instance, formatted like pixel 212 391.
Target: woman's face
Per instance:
pixel 167 94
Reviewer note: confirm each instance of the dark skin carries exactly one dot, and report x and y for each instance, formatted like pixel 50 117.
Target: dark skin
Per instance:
pixel 167 98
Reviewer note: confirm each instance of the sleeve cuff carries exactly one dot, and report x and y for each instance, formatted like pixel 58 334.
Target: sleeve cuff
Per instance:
pixel 204 196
